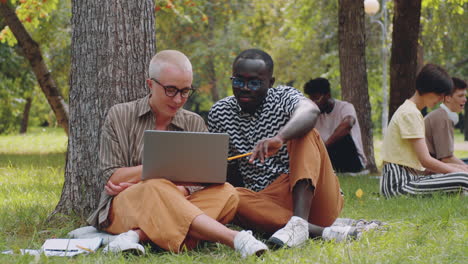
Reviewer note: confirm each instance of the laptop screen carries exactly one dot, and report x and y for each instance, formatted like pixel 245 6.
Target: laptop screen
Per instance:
pixel 188 157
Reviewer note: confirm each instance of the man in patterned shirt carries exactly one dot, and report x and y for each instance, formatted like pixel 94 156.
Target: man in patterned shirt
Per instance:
pixel 158 210
pixel 291 189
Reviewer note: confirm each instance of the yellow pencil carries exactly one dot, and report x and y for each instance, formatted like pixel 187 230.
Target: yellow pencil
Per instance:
pixel 83 248
pixel 240 156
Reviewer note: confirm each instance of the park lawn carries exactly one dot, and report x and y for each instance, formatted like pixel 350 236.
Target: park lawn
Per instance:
pixel 419 230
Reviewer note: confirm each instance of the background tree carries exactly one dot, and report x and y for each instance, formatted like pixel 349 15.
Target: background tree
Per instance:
pixel 112 44
pixel 443 36
pixel 404 52
pixel 352 45
pixel 16 85
pixel 301 35
pixel 48 24
pixel 31 51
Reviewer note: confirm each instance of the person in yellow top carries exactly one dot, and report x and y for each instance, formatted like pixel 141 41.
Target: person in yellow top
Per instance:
pixel 408 167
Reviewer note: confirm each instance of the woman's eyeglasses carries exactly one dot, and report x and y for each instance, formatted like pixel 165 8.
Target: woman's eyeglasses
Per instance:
pixel 172 91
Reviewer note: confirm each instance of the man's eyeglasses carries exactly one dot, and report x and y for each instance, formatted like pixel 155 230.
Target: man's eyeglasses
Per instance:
pixel 172 91
pixel 239 83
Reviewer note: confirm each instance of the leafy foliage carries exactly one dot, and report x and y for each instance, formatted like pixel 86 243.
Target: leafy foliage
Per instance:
pixel 216 31
pixel 14 86
pixel 49 25
pixel 31 13
pixel 208 32
pixel 301 35
pixel 444 36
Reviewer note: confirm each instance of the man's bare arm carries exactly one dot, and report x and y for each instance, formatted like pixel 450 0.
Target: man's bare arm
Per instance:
pixel 302 121
pixel 343 129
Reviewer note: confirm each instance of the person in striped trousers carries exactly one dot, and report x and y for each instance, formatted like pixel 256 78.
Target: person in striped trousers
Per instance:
pixel 408 167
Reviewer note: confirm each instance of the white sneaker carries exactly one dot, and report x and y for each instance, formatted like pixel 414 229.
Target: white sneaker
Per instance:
pixel 339 233
pixel 91 232
pixel 246 244
pixel 82 231
pixel 293 234
pixel 126 242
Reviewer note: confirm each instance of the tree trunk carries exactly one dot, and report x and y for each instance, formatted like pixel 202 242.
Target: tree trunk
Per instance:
pixel 213 81
pixel 211 68
pixel 25 118
pixel 32 53
pixel 353 74
pixel 113 42
pixel 404 57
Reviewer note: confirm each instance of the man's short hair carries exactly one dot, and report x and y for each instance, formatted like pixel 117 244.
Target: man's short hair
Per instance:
pixel 434 79
pixel 458 84
pixel 317 86
pixel 255 54
pixel 168 57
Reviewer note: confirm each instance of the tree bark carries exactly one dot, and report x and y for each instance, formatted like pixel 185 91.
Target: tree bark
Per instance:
pixel 25 118
pixel 404 57
pixel 353 76
pixel 213 80
pixel 32 53
pixel 211 68
pixel 113 42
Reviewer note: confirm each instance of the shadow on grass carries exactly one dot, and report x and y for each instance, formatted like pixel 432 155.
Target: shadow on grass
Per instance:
pixel 32 160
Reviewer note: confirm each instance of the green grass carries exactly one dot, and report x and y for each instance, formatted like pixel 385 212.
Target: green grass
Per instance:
pixel 419 230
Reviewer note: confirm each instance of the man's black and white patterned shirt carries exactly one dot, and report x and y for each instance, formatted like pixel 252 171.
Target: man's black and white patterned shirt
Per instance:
pixel 245 130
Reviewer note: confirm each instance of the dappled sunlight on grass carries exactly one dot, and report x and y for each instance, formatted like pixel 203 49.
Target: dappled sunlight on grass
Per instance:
pixel 30 161
pixel 39 140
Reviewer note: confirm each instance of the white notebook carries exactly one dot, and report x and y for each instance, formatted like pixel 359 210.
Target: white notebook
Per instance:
pixel 66 247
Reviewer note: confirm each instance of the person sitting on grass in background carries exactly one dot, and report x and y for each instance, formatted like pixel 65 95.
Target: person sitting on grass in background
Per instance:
pixel 172 217
pixel 291 189
pixel 408 167
pixel 338 126
pixel 440 124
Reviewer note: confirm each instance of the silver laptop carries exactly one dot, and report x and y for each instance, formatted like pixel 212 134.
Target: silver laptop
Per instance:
pixel 185 157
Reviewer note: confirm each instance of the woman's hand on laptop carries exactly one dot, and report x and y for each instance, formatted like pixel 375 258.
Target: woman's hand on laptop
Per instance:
pixel 114 189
